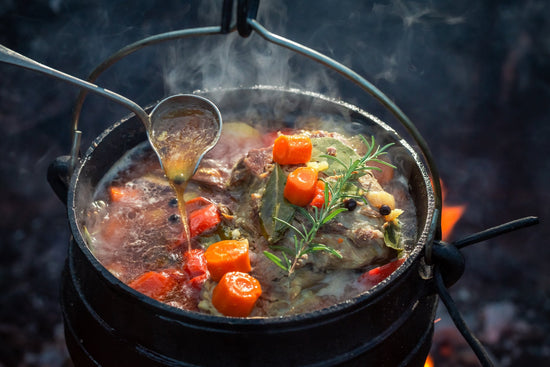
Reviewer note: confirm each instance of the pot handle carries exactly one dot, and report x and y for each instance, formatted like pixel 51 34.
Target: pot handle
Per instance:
pixel 59 177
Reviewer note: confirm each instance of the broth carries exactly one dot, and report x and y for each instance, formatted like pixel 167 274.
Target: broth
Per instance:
pixel 134 227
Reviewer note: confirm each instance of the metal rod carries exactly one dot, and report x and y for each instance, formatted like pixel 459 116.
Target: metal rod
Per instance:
pixel 460 324
pixel 496 231
pixel 11 57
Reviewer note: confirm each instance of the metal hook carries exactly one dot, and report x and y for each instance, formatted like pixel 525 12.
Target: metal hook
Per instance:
pixel 246 9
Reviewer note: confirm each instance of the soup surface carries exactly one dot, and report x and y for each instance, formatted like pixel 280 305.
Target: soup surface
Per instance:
pixel 283 221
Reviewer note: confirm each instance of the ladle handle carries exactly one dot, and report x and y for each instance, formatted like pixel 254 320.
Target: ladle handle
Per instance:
pixel 11 57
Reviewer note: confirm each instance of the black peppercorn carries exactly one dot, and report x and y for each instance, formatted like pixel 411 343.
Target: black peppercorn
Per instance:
pixel 350 204
pixel 384 210
pixel 173 202
pixel 174 218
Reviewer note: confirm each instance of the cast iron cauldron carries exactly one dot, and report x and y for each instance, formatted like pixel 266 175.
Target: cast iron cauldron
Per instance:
pixel 109 324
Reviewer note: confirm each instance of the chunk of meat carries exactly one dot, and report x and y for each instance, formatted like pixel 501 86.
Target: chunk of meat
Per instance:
pixel 257 161
pixel 254 165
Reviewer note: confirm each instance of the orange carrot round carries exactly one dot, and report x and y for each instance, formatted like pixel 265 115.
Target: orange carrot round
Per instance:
pixel 301 185
pixel 292 149
pixel 236 294
pixel 226 256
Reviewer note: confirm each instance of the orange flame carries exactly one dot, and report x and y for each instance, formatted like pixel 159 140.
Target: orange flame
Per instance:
pixel 429 362
pixel 449 215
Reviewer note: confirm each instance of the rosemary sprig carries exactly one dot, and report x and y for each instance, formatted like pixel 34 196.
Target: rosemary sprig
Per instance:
pixel 335 193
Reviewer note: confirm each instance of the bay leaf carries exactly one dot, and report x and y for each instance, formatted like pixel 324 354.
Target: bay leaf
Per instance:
pixel 274 205
pixel 343 152
pixel 392 236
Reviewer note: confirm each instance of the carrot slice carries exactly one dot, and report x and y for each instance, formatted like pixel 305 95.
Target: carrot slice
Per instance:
pixel 301 185
pixel 226 256
pixel 203 215
pixel 236 294
pixel 319 197
pixel 292 149
pixel 154 284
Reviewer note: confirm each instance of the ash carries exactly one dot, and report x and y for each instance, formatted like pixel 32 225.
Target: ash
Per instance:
pixel 473 76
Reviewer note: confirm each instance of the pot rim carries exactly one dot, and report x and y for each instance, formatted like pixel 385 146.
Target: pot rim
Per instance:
pixel 425 236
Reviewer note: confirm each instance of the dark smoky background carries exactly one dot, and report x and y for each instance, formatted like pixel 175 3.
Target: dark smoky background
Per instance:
pixel 473 76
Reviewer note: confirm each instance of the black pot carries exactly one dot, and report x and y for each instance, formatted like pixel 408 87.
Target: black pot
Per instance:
pixel 109 324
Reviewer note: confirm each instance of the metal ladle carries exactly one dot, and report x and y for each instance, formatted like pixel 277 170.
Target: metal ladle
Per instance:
pixel 155 123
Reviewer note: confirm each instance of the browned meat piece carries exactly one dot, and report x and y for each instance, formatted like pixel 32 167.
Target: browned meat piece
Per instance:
pixel 253 165
pixel 258 160
pixel 212 173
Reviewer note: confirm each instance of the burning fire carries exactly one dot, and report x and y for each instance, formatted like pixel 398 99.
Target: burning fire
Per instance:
pixel 429 362
pixel 449 215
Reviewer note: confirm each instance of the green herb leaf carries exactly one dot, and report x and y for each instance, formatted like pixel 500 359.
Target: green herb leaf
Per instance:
pixel 274 205
pixel 331 216
pixel 275 259
pixel 321 247
pixel 344 153
pixel 392 236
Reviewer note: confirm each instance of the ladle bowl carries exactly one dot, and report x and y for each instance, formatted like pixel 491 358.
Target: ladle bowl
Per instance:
pixel 185 121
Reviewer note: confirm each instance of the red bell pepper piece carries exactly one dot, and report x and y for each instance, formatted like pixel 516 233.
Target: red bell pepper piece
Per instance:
pixel 195 266
pixel 376 275
pixel 194 263
pixel 203 216
pixel 154 284
pixel 319 198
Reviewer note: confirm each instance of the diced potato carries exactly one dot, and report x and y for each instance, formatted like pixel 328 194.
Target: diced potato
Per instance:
pixel 379 198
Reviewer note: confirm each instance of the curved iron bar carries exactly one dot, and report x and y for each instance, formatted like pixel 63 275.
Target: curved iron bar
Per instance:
pixel 459 322
pixel 496 231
